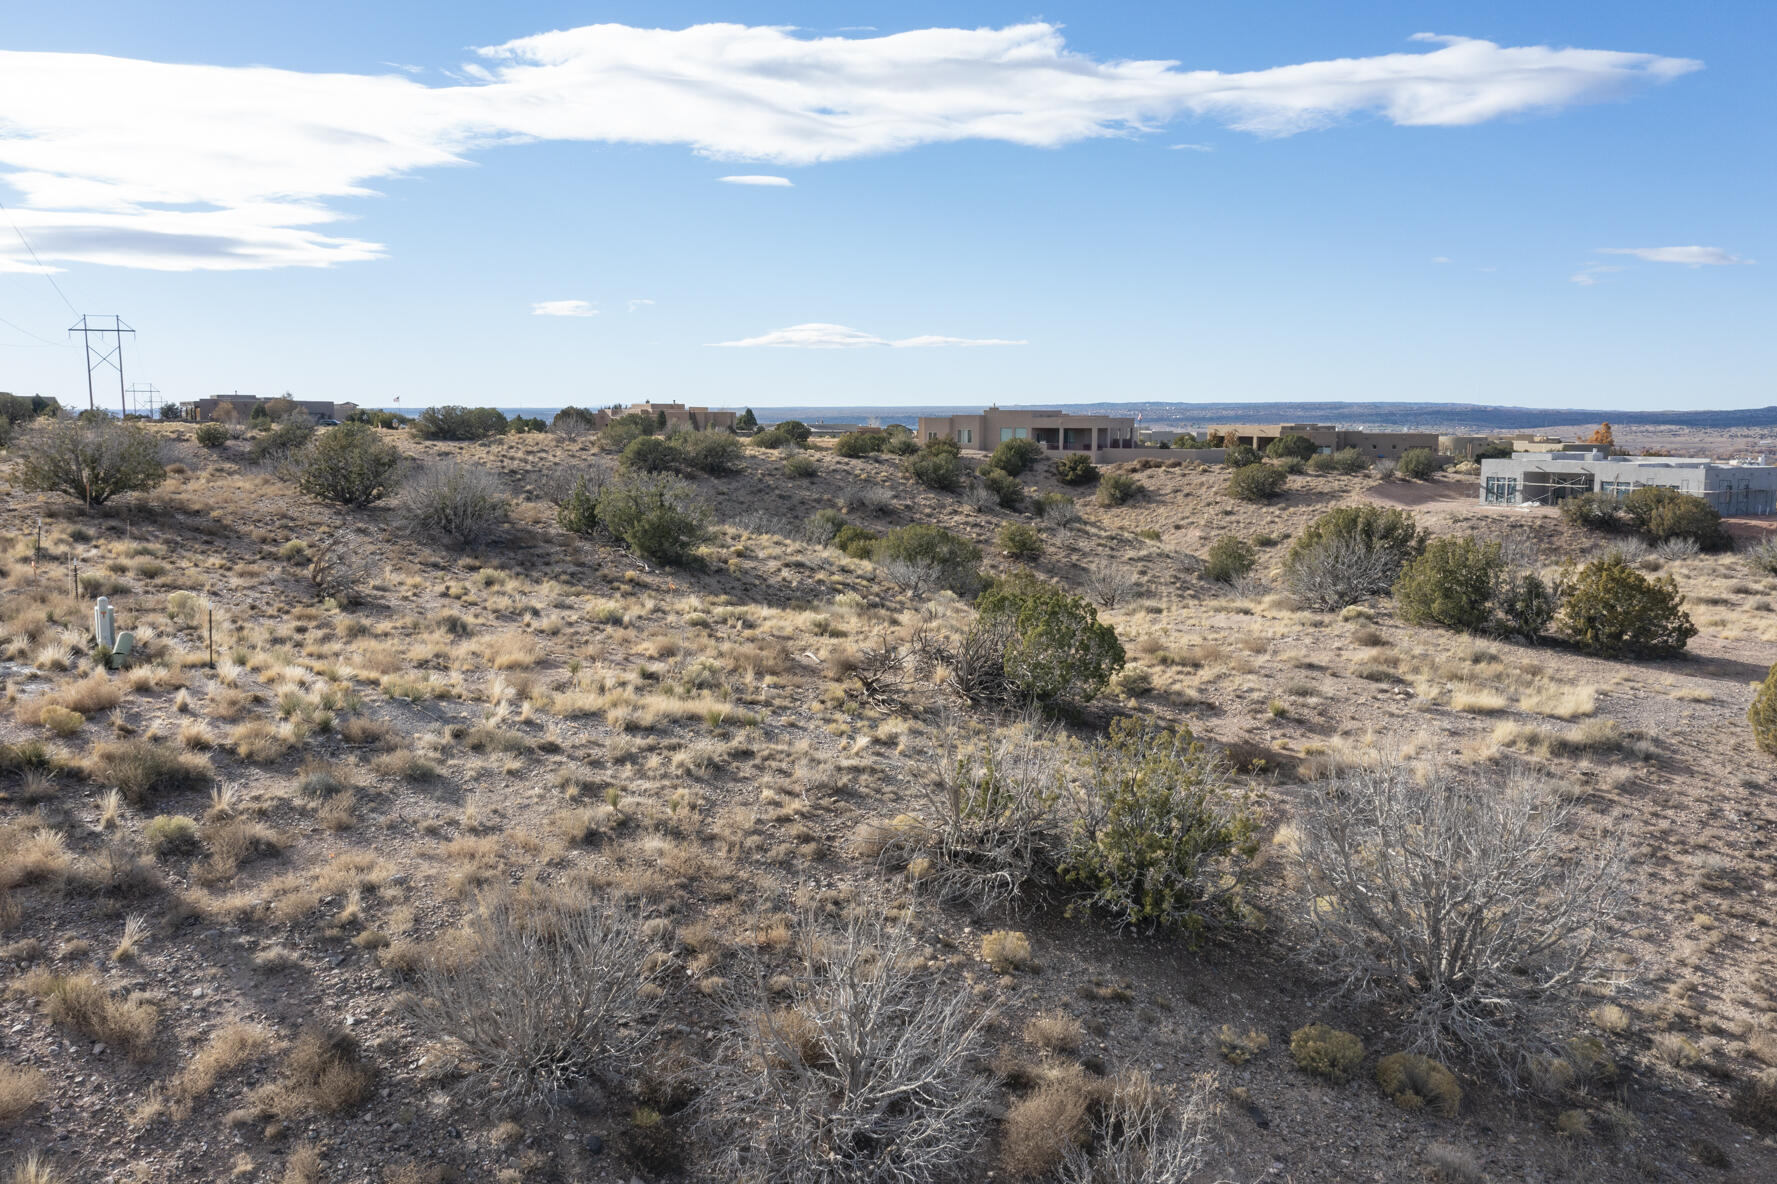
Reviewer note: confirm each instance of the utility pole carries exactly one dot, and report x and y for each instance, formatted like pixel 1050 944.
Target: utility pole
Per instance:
pixel 112 357
pixel 137 390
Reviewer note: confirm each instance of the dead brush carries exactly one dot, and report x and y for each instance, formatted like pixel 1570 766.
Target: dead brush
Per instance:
pixel 324 1073
pixel 864 1075
pixel 551 991
pixel 82 1003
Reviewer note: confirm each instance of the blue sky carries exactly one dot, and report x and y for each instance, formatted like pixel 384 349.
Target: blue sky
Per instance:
pixel 1577 214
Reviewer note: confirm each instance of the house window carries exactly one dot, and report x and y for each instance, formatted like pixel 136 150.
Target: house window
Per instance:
pixel 966 436
pixel 1005 434
pixel 1502 491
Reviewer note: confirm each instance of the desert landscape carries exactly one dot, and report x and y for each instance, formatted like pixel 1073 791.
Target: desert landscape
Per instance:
pixel 581 806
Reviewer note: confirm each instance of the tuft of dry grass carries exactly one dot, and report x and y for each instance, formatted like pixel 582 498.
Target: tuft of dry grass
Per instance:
pixel 1055 1031
pixel 1043 1126
pixel 142 768
pixel 225 1053
pixel 21 1088
pixel 1005 950
pixel 81 1003
pixel 1562 702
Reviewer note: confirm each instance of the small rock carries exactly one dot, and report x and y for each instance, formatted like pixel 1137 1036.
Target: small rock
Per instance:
pixel 594 1144
pixel 99 1050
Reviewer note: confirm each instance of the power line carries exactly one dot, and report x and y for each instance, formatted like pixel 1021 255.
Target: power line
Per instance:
pixel 37 261
pixel 28 333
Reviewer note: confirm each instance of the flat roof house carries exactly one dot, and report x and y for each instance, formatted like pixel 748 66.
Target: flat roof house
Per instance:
pixel 240 407
pixel 1547 479
pixel 1327 438
pixel 1102 437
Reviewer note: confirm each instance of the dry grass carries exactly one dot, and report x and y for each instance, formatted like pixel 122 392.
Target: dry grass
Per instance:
pixel 1562 702
pixel 142 769
pixel 229 1050
pixel 21 1088
pixel 82 1003
pixel 1042 1127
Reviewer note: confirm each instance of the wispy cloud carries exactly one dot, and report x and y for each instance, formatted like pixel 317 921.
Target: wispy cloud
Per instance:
pixel 1588 275
pixel 177 166
pixel 1192 147
pixel 1440 259
pixel 1689 256
pixel 563 308
pixel 638 302
pixel 817 335
pixel 756 179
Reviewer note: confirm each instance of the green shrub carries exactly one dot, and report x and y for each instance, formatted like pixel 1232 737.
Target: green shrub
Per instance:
pixel 578 512
pixel 1662 513
pixel 1056 649
pixel 459 423
pixel 1114 489
pixel 350 464
pixel 795 429
pixel 1228 559
pixel 1351 553
pixel 625 430
pixel 715 451
pixel 1611 609
pixel 934 469
pixel 574 421
pixel 1451 584
pixel 1014 456
pixel 1322 462
pixel 1593 511
pixel 1762 715
pixel 1413 1082
pixel 649 454
pixel 1003 486
pixel 1418 463
pixel 1058 508
pixel 90 460
pixel 1326 1052
pixel 1163 840
pixel 520 425
pixel 1242 455
pixel 1019 540
pixel 171 834
pixel 772 438
pixel 746 421
pixel 1257 483
pixel 655 516
pixel 1076 468
pixel 283 439
pixel 1526 605
pixel 950 560
pixel 861 442
pixel 901 444
pixel 944 445
pixel 855 541
pixel 212 435
pixel 800 466
pixel 1291 446
pixel 1350 460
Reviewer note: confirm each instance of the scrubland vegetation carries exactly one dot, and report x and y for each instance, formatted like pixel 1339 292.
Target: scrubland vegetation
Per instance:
pixel 486 802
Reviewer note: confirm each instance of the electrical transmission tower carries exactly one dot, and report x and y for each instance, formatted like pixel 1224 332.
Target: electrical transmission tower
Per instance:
pixel 112 357
pixel 138 391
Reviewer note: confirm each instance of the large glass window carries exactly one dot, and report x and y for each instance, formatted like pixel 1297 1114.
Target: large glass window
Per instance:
pixel 1502 491
pixel 966 436
pixel 1005 434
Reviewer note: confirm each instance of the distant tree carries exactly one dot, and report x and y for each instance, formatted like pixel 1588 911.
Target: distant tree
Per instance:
pixel 796 430
pixel 1257 483
pixel 1299 447
pixel 1015 456
pixel 1602 437
pixel 746 421
pixel 1076 468
pixel 459 423
pixel 1418 463
pixel 1239 456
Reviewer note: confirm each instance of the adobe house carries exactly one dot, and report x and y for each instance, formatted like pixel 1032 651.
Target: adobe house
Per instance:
pixel 239 408
pixel 1105 438
pixel 1328 438
pixel 678 417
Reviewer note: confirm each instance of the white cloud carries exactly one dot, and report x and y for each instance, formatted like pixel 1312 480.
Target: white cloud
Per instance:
pixel 563 308
pixel 1588 275
pixel 1192 147
pixel 755 179
pixel 638 302
pixel 1689 256
pixel 816 335
pixel 177 166
pixel 1440 259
